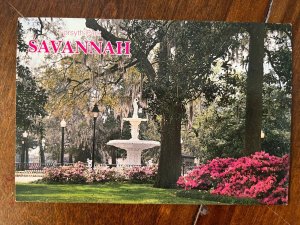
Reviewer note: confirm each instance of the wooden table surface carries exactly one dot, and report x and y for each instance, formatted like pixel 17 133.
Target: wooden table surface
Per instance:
pixel 275 11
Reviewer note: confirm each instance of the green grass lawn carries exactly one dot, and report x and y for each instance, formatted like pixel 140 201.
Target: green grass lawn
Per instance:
pixel 101 193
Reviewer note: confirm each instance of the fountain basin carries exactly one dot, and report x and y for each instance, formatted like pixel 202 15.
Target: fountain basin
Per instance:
pixel 134 148
pixel 133 145
pixel 134 119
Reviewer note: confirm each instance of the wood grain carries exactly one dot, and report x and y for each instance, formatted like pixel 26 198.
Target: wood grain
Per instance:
pixel 277 11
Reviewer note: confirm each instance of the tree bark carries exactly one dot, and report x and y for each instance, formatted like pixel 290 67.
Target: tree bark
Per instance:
pixel 254 86
pixel 169 166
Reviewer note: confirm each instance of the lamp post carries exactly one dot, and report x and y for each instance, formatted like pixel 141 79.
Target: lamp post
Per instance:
pixel 43 152
pixel 39 121
pixel 62 125
pixel 262 136
pixel 25 149
pixel 22 155
pixel 95 112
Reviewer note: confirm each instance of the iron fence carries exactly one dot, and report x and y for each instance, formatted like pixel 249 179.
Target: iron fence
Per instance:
pixel 38 167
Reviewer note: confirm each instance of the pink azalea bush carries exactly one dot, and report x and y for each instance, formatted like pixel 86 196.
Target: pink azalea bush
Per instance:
pixel 102 174
pixel 142 174
pixel 80 173
pixel 66 174
pixel 260 176
pixel 202 176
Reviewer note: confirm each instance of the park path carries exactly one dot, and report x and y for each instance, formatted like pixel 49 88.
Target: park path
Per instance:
pixel 26 179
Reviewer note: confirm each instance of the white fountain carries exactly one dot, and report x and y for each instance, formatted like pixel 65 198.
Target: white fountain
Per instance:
pixel 134 146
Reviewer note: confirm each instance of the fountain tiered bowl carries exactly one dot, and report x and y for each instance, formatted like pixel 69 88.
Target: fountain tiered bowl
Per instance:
pixel 134 146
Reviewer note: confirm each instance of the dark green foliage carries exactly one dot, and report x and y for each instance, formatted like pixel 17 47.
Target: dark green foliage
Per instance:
pixel 276 120
pixel 277 98
pixel 183 73
pixel 30 103
pixel 218 131
pixel 22 46
pixel 281 57
pixel 31 98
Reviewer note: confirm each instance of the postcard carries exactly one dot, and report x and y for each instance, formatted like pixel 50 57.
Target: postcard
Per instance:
pixel 152 111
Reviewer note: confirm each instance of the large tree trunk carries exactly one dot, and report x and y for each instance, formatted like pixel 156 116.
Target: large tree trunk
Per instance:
pixel 169 166
pixel 254 86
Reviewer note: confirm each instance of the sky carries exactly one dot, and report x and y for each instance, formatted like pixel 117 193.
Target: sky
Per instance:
pixel 69 24
pixel 75 23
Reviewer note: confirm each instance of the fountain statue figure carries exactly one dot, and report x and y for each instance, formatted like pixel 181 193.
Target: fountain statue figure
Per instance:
pixel 135 108
pixel 134 146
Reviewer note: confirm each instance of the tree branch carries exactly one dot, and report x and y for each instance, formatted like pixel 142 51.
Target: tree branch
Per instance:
pixel 271 62
pixel 92 23
pixel 141 57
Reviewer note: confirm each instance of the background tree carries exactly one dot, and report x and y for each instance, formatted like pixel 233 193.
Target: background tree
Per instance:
pixel 277 86
pixel 218 130
pixel 31 98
